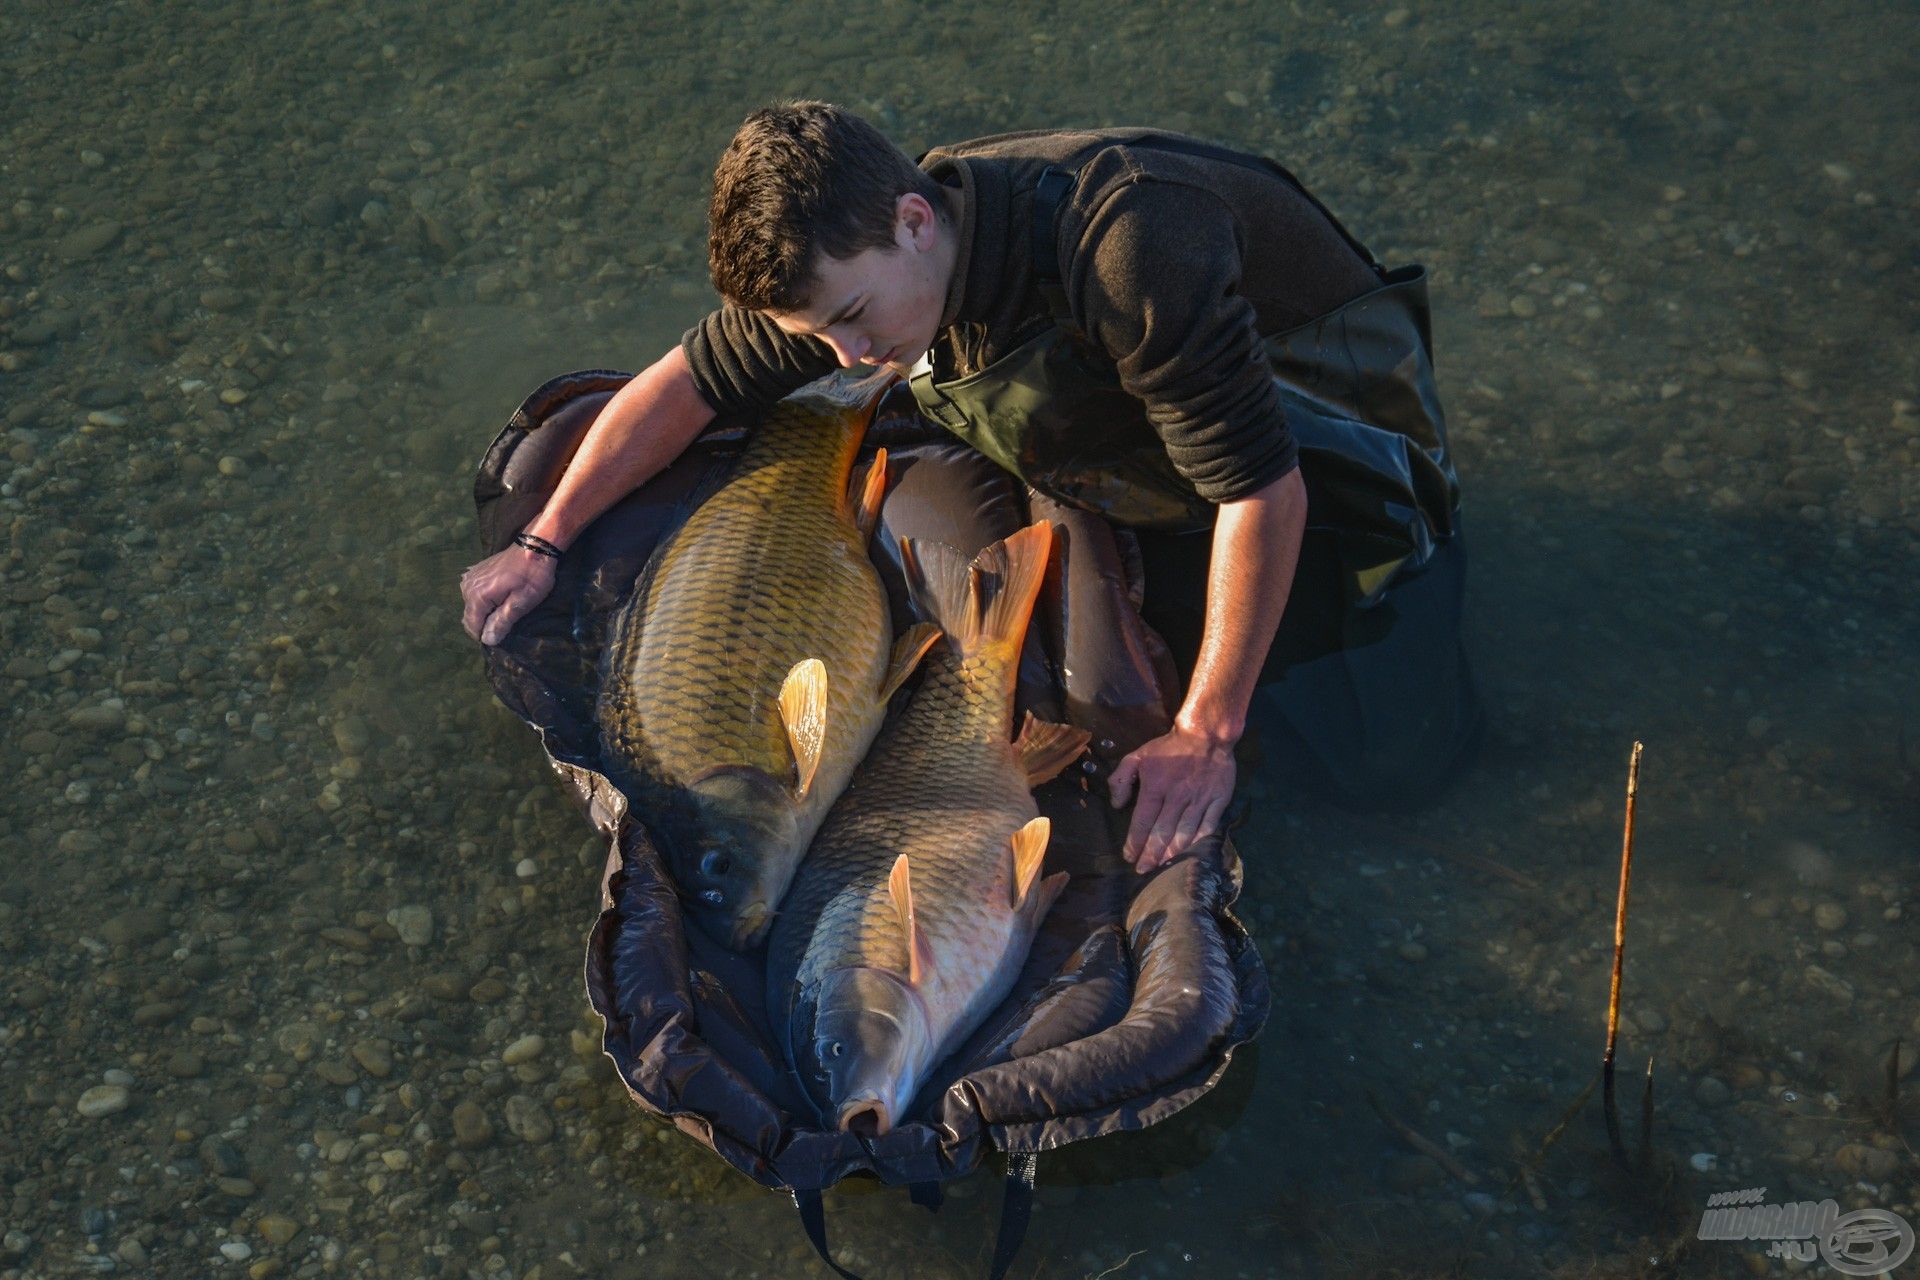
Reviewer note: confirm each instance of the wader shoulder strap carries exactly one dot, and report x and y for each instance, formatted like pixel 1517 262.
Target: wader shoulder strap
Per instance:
pixel 1016 1210
pixel 1049 194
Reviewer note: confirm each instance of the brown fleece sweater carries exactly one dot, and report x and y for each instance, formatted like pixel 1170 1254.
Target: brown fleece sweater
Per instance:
pixel 1174 264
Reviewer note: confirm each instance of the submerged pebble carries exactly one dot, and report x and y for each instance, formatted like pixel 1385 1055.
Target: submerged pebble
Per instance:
pixel 103 1100
pixel 524 1049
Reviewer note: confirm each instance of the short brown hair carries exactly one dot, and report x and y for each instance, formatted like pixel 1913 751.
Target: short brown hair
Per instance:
pixel 798 179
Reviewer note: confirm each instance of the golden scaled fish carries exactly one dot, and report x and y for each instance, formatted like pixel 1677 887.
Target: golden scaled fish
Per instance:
pixel 916 906
pixel 751 669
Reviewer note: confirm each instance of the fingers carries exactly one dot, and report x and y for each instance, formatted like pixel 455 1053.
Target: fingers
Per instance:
pixel 479 603
pixel 1192 825
pixel 1169 837
pixel 1146 819
pixel 1196 823
pixel 1120 784
pixel 1182 823
pixel 503 618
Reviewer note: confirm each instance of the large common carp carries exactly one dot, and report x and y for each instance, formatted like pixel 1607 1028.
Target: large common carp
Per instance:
pixel 916 906
pixel 751 670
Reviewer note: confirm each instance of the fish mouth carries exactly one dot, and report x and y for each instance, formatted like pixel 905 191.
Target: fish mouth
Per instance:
pixel 864 1117
pixel 751 928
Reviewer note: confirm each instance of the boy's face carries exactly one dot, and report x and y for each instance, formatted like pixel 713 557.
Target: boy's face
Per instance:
pixel 881 306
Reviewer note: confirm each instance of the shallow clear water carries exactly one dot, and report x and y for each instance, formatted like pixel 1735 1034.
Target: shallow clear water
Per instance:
pixel 269 281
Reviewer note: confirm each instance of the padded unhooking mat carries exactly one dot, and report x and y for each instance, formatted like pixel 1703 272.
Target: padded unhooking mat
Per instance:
pixel 1137 989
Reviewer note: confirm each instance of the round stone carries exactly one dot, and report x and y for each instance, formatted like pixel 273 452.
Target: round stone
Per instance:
pixel 527 1121
pixel 413 923
pixel 525 1049
pixel 1830 916
pixel 103 1100
pixel 373 1056
pixel 471 1128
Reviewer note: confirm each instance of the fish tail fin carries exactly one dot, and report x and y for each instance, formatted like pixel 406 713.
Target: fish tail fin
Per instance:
pixel 987 600
pixel 850 403
pixel 843 390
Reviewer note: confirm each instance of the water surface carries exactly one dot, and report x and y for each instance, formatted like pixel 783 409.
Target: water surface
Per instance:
pixel 272 279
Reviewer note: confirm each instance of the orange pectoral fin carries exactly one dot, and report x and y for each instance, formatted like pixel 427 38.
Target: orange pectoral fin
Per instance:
pixel 866 509
pixel 803 709
pixel 919 950
pixel 1029 852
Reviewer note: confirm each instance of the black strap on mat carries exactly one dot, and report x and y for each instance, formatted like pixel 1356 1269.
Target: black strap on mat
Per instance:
pixel 1016 1208
pixel 1016 1211
pixel 813 1218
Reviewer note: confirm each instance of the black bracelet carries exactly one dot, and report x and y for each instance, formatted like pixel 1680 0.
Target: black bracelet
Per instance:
pixel 539 546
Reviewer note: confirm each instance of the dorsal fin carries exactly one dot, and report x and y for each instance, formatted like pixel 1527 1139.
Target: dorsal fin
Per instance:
pixel 866 508
pixel 1029 851
pixel 907 652
pixel 985 600
pixel 919 951
pixel 1044 748
pixel 803 709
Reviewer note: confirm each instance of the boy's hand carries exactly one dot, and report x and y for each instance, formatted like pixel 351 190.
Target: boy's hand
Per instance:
pixel 501 589
pixel 1185 782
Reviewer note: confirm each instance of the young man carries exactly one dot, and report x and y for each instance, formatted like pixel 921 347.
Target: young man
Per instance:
pixel 1137 323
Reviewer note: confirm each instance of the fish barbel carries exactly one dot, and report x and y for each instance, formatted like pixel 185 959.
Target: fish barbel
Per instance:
pixel 914 910
pixel 751 669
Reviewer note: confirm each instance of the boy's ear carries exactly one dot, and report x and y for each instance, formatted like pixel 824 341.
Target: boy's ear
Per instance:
pixel 912 212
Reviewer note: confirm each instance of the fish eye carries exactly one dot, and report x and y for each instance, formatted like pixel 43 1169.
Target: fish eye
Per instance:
pixel 713 897
pixel 715 863
pixel 835 1049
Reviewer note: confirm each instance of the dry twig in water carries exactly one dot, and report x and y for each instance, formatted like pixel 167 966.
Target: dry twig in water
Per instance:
pixel 1424 1145
pixel 1608 1106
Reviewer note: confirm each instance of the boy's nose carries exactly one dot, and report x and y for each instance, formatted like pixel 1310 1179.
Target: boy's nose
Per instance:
pixel 848 351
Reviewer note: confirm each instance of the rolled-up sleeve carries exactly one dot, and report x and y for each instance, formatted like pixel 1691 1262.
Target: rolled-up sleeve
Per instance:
pixel 742 361
pixel 1159 293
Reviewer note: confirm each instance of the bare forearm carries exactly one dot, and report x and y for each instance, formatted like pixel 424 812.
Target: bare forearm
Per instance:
pixel 648 423
pixel 1256 544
